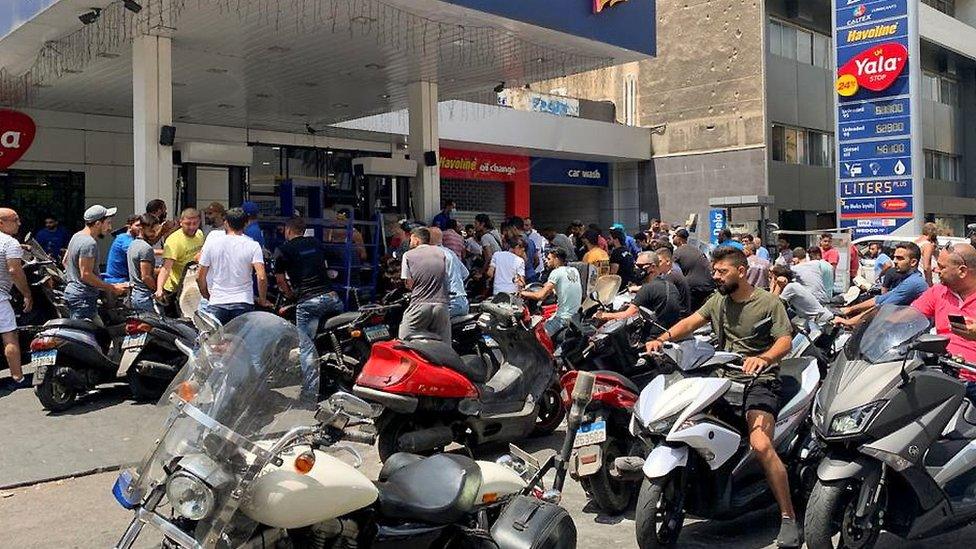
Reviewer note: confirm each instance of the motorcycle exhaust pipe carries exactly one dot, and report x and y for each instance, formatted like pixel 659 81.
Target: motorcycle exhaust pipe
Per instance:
pixel 71 377
pixel 582 393
pixel 158 370
pixel 426 439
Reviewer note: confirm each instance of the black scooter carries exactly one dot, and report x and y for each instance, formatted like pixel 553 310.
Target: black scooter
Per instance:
pixel 150 356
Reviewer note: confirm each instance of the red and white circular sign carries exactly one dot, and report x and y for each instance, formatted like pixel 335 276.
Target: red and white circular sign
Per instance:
pixel 16 135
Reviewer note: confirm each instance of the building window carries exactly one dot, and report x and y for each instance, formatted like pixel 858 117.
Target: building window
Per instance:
pixel 947 7
pixel 942 166
pixel 630 100
pixel 940 88
pixel 802 146
pixel 805 46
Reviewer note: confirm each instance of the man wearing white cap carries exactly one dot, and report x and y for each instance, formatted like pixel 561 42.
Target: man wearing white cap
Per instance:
pixel 84 284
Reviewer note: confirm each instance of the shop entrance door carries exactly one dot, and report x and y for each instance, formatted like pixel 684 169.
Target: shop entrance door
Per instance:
pixel 37 194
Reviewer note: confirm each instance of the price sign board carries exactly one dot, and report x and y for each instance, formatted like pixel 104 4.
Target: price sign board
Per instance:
pixel 878 160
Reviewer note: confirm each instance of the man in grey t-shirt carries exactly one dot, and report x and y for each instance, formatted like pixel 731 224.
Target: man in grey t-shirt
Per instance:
pixel 424 271
pixel 141 260
pixel 80 264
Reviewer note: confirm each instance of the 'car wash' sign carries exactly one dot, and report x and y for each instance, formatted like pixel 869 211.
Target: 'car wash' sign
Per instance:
pixel 554 171
pixel 878 167
pixel 16 135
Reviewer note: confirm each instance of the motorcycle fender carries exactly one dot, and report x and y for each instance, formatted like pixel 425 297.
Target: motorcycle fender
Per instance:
pixel 587 460
pixel 664 459
pixel 831 470
pixel 128 359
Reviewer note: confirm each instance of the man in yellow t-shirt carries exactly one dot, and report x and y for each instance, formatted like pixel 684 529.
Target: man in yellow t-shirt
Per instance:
pixel 180 248
pixel 595 255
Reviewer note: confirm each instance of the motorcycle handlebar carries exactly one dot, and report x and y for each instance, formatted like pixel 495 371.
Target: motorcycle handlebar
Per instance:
pixel 368 439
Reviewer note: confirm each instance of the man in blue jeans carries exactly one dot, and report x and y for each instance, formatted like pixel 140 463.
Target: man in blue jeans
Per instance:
pixel 230 259
pixel 81 269
pixel 300 269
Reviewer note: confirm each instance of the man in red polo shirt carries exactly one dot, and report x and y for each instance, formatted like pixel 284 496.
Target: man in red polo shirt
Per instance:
pixel 955 295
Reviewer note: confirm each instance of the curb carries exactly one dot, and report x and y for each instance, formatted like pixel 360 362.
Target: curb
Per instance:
pixel 86 473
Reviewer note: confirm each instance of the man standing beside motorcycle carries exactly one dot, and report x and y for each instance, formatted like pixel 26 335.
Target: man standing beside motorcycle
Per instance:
pixel 733 312
pixel 565 281
pixel 81 291
pixel 457 273
pixel 231 259
pixel 12 273
pixel 424 272
pixel 299 266
pixel 141 262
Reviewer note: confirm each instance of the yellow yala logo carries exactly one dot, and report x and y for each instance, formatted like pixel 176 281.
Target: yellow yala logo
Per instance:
pixel 598 5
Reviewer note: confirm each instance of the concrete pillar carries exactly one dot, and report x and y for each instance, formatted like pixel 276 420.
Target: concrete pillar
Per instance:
pixel 424 136
pixel 152 108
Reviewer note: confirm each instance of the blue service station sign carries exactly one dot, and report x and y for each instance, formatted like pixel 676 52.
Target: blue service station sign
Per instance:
pixel 877 185
pixel 716 222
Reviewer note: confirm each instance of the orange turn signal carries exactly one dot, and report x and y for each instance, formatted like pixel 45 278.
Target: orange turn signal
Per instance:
pixel 187 390
pixel 356 333
pixel 490 497
pixel 304 462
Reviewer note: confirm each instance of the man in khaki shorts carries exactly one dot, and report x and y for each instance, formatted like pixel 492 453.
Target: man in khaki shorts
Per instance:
pixel 12 273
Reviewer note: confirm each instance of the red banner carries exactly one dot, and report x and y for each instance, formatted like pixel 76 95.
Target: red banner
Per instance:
pixel 16 135
pixel 475 165
pixel 878 67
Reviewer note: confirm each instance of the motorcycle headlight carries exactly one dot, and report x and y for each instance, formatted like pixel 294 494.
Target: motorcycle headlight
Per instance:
pixel 663 426
pixel 855 420
pixel 189 496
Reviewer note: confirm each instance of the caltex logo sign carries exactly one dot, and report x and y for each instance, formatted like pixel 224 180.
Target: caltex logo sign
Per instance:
pixel 16 135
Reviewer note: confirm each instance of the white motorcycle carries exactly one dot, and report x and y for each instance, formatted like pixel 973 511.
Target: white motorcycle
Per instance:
pixel 248 459
pixel 700 462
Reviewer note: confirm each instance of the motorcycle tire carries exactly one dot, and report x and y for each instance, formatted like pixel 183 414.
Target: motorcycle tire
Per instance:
pixel 390 427
pixel 651 533
pixel 146 389
pixel 611 495
pixel 831 505
pixel 56 396
pixel 551 412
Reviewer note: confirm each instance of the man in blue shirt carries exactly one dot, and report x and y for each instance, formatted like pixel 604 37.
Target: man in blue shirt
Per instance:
pixel 53 238
pixel 116 264
pixel 629 241
pixel 457 273
pixel 252 229
pixel 907 256
pixel 440 220
pixel 725 239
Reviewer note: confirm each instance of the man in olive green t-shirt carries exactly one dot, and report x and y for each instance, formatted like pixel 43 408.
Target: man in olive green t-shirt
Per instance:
pixel 734 311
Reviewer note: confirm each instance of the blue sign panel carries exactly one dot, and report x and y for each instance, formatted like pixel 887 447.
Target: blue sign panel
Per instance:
pixel 716 222
pixel 875 41
pixel 629 24
pixel 555 171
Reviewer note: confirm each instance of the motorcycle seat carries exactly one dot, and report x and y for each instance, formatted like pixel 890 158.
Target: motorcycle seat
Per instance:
pixel 464 319
pixel 790 378
pixel 623 380
pixel 442 354
pixel 437 490
pixel 101 334
pixel 339 320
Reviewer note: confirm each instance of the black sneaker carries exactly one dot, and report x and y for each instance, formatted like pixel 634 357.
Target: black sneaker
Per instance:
pixel 24 383
pixel 790 533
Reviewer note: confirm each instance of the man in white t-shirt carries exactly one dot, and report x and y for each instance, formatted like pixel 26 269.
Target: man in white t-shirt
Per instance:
pixel 12 273
pixel 226 264
pixel 540 241
pixel 507 267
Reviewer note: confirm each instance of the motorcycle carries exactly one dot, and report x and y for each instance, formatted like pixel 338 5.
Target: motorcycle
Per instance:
pixel 433 396
pixel 700 461
pixel 150 356
pixel 899 437
pixel 246 459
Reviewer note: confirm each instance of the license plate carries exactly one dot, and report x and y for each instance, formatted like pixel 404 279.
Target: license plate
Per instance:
pixel 591 433
pixel 44 358
pixel 134 341
pixel 377 333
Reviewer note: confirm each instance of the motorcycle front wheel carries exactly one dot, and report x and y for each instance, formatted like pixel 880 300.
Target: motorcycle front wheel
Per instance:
pixel 830 516
pixel 660 511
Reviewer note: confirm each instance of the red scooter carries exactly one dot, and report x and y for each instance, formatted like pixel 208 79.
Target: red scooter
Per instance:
pixel 433 396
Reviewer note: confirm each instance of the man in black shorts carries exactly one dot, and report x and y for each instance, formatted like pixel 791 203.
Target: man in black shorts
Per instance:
pixel 733 311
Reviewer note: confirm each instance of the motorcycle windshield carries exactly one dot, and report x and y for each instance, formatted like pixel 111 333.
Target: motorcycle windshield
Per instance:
pixel 880 344
pixel 889 330
pixel 241 391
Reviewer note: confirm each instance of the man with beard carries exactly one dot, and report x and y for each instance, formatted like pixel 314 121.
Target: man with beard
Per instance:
pixel 84 284
pixel 733 313
pixel 907 256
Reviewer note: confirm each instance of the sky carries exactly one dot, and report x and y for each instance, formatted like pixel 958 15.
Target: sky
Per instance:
pixel 14 13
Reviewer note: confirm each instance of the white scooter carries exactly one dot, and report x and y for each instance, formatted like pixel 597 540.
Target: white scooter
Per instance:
pixel 700 462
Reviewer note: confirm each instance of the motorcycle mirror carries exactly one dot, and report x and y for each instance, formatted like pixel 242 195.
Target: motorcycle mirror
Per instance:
pixel 183 347
pixel 206 322
pixel 352 405
pixel 930 343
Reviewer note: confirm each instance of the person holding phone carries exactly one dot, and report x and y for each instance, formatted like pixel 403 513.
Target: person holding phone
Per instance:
pixel 952 305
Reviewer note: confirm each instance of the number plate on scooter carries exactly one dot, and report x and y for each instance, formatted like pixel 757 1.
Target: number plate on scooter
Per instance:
pixel 44 358
pixel 377 333
pixel 134 341
pixel 591 433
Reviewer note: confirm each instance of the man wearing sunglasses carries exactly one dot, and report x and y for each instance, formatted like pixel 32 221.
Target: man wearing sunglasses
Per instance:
pixel 656 294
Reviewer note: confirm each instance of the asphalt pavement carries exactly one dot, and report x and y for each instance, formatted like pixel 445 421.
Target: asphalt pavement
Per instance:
pixel 76 508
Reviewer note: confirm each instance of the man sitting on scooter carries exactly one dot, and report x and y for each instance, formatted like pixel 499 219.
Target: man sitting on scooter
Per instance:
pixel 734 311
pixel 656 294
pixel 565 281
pixel 907 257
